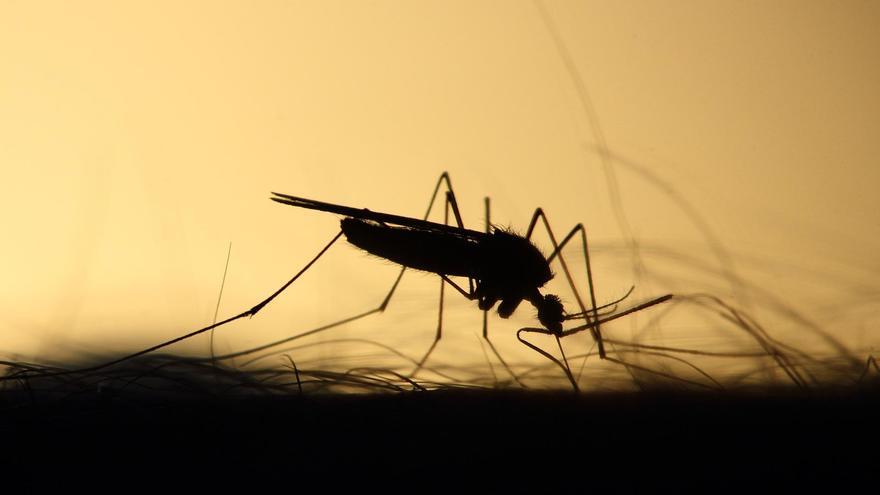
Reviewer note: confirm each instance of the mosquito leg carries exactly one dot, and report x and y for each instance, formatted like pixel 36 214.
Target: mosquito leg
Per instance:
pixel 450 198
pixel 251 312
pixel 256 309
pixel 450 204
pixel 591 317
pixel 487 226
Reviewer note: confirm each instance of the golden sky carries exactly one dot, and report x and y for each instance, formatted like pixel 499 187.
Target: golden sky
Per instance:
pixel 138 139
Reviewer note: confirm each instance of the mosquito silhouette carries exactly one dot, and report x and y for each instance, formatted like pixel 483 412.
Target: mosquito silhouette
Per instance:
pixel 501 268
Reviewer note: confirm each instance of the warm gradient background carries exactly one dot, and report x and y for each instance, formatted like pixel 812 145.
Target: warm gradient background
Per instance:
pixel 138 139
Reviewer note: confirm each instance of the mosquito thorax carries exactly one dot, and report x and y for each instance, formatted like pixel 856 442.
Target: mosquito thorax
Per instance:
pixel 513 262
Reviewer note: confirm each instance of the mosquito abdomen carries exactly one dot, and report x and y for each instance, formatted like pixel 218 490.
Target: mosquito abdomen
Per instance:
pixel 436 252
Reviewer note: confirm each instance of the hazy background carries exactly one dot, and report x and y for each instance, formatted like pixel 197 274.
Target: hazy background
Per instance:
pixel 138 139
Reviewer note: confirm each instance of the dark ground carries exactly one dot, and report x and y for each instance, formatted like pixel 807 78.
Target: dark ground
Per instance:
pixel 773 441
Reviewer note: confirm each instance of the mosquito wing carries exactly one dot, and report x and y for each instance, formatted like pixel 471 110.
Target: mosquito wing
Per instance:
pixel 375 216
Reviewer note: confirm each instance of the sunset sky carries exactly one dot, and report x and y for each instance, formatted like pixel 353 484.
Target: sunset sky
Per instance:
pixel 139 139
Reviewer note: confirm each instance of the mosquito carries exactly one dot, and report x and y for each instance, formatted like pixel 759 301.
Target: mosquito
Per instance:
pixel 501 267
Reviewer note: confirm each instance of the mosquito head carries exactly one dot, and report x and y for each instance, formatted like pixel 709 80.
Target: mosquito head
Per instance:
pixel 549 312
